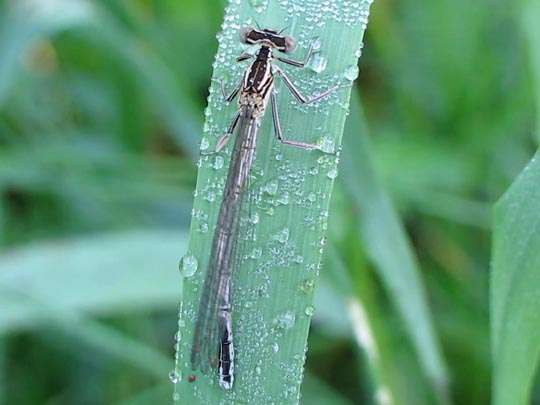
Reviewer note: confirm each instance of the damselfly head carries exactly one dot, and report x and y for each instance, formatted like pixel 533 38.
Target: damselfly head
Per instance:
pixel 267 37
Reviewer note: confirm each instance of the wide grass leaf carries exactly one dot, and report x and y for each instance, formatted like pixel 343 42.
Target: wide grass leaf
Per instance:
pixel 290 193
pixel 515 288
pixel 99 274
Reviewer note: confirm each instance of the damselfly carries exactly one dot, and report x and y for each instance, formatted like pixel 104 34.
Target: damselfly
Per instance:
pixel 213 338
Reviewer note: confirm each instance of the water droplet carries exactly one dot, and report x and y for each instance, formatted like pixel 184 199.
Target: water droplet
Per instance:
pixel 210 196
pixel 284 199
pixel 299 259
pixel 271 187
pixel 176 397
pixel 312 197
pixel 307 286
pixel 175 376
pixel 204 227
pixel 351 72
pixel 218 162
pixel 275 347
pixel 205 144
pixel 310 310
pixel 316 43
pixel 258 370
pixel 282 236
pixel 285 319
pixel 314 170
pixel 258 5
pixel 318 63
pixel 256 253
pixel 332 173
pixel 188 265
pixel 254 218
pixel 326 144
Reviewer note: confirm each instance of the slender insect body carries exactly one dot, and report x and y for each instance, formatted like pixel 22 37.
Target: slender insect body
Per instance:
pixel 213 337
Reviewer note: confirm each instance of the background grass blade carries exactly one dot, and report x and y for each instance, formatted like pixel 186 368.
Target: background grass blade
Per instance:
pixel 530 15
pixel 515 287
pixel 388 247
pixel 290 198
pixel 115 271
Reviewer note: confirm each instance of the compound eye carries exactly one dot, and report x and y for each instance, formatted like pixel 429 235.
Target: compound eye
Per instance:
pixel 290 44
pixel 244 33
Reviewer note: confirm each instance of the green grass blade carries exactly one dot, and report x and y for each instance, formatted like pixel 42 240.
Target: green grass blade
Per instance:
pixel 57 272
pixel 531 13
pixel 389 249
pixel 316 392
pixel 515 288
pixel 158 394
pixel 21 27
pixel 290 197
pixel 3 370
pixel 59 284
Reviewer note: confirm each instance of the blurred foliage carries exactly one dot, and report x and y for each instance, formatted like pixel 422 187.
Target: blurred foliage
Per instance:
pixel 100 115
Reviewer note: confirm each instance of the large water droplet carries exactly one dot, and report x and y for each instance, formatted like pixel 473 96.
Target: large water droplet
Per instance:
pixel 188 265
pixel 351 72
pixel 326 144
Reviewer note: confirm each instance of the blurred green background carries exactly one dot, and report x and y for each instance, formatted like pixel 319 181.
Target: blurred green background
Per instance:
pixel 101 111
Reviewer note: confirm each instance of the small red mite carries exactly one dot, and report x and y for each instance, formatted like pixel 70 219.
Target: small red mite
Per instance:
pixel 192 378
